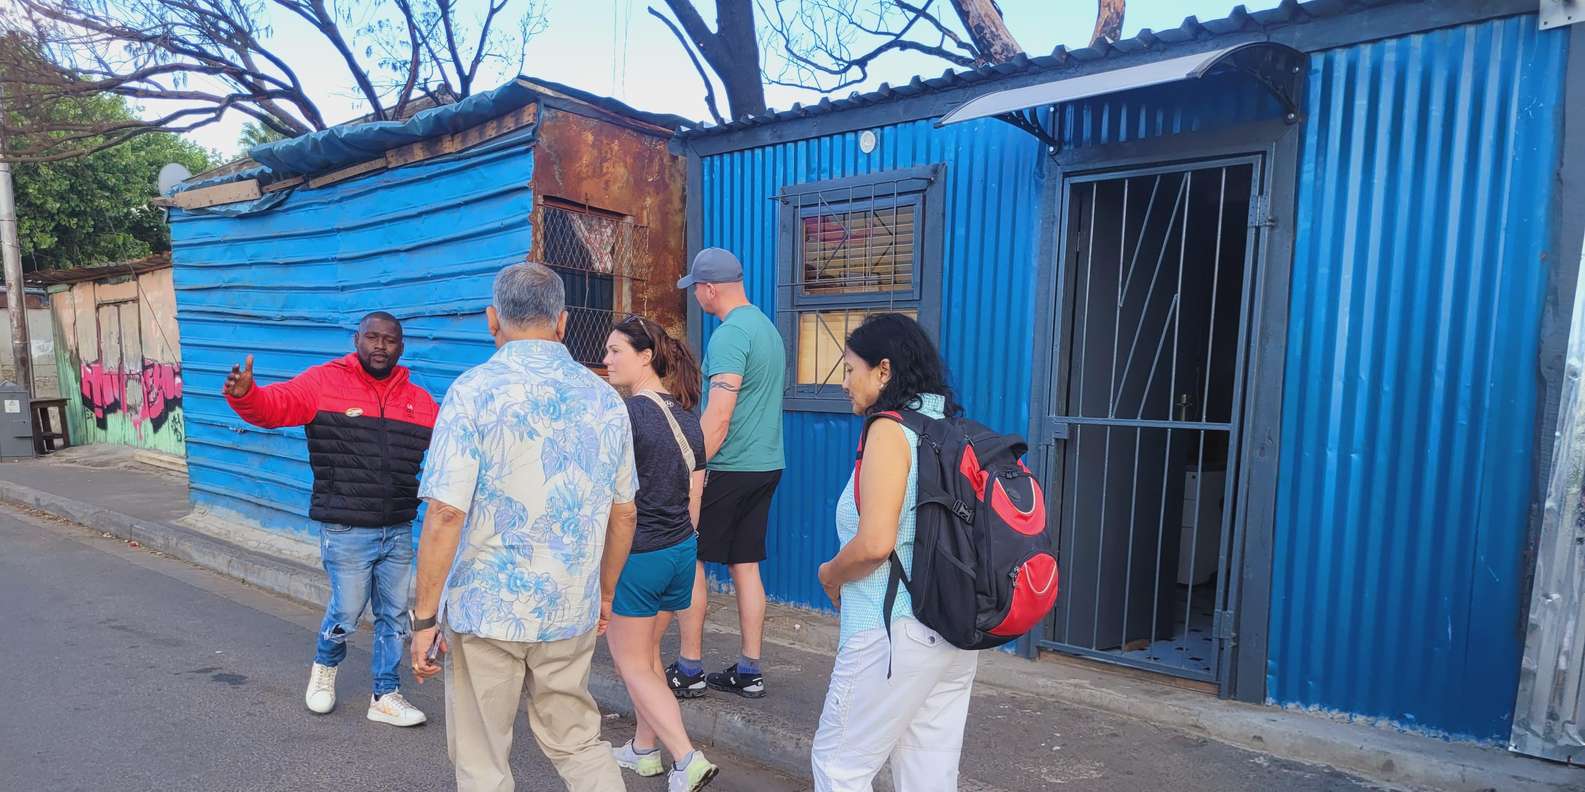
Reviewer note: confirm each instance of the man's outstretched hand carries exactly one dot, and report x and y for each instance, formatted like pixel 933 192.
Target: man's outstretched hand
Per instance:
pixel 240 381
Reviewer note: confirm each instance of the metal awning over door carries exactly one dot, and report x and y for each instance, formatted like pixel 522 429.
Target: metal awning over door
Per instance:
pixel 1274 67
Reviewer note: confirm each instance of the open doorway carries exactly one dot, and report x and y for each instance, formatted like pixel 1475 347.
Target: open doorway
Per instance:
pixel 1154 319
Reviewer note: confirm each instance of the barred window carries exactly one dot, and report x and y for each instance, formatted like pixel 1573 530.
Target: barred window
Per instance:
pixel 594 252
pixel 852 248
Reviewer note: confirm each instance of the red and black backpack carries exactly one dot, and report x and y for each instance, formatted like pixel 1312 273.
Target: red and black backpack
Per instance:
pixel 983 568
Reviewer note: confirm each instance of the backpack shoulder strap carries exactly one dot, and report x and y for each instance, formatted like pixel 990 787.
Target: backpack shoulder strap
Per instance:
pixel 858 457
pixel 676 429
pixel 915 421
pixel 869 421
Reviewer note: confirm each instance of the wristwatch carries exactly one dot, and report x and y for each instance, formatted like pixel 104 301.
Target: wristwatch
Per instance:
pixel 415 624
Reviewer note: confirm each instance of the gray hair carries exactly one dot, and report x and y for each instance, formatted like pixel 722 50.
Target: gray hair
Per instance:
pixel 529 294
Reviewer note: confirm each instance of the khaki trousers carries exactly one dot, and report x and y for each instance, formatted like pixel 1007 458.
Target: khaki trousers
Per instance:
pixel 485 680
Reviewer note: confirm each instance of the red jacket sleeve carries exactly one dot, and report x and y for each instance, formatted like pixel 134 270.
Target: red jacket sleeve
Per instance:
pixel 291 403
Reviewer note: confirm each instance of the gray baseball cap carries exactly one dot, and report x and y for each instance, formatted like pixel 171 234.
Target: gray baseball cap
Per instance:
pixel 713 265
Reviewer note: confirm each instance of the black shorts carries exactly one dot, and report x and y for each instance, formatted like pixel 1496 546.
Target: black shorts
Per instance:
pixel 733 515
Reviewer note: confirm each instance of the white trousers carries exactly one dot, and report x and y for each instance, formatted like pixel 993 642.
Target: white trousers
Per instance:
pixel 915 718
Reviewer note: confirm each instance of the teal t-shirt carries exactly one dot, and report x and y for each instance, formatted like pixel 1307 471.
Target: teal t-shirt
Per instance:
pixel 747 344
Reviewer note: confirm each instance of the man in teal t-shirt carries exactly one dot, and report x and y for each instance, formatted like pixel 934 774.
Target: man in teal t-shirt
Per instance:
pixel 746 366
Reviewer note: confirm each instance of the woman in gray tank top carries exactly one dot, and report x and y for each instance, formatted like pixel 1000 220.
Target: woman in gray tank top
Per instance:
pixel 662 379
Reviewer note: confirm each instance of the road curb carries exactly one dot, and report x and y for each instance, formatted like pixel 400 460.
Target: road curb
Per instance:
pixel 777 747
pixel 304 584
pixel 1384 756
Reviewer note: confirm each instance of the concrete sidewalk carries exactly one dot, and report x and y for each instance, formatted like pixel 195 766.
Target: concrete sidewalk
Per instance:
pixel 1051 724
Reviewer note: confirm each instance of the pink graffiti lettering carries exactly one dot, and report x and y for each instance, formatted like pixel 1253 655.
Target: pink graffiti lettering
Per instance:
pixel 104 392
pixel 162 390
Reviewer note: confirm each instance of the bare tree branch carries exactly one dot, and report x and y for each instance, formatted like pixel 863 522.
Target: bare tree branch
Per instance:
pixel 829 45
pixel 484 36
pixel 214 56
pixel 1108 21
pixel 405 7
pixel 732 50
pixel 709 88
pixel 447 24
pixel 966 48
pixel 316 14
pixel 986 28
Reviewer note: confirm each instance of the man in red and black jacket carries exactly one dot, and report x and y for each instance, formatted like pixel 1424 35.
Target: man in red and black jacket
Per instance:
pixel 368 427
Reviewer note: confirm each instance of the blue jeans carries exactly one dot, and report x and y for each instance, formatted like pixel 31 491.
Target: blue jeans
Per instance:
pixel 367 564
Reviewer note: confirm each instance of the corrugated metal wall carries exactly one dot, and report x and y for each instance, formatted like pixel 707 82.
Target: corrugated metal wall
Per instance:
pixel 992 219
pixel 994 194
pixel 1163 110
pixel 1409 410
pixel 289 286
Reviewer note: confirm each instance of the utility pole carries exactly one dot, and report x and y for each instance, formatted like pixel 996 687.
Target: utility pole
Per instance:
pixel 11 252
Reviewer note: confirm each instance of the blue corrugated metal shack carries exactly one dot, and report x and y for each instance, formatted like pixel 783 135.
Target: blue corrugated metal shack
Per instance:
pixel 1280 300
pixel 281 258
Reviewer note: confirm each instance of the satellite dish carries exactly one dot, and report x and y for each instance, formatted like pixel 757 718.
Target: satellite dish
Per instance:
pixel 172 175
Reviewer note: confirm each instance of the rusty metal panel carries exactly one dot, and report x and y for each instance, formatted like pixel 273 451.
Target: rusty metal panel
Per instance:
pixel 607 168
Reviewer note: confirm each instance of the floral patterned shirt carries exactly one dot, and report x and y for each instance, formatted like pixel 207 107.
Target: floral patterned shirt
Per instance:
pixel 535 448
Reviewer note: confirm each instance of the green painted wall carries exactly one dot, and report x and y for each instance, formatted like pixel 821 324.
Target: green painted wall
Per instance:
pixel 120 369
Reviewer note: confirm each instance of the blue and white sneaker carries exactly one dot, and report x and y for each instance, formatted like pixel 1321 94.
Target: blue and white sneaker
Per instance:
pixel 684 686
pixel 730 680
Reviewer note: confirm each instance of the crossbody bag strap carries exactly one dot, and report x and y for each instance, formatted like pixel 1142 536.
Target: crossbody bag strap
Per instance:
pixel 676 429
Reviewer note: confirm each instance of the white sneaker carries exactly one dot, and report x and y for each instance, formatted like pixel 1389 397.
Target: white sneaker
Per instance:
pixel 393 709
pixel 646 764
pixel 321 696
pixel 696 776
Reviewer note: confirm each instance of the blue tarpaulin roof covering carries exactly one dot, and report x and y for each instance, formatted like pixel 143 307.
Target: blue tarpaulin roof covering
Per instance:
pixel 340 146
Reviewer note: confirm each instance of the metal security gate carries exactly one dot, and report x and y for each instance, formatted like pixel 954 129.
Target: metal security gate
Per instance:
pixel 1154 304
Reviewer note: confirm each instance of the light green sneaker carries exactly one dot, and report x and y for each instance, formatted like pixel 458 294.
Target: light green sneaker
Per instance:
pixel 696 776
pixel 646 765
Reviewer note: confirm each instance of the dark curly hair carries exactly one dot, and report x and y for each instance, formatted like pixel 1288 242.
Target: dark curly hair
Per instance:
pixel 917 368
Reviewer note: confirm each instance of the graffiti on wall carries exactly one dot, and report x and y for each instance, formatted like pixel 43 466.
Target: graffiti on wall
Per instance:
pixel 156 395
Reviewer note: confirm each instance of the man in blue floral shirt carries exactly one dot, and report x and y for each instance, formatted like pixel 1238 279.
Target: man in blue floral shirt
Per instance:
pixel 530 484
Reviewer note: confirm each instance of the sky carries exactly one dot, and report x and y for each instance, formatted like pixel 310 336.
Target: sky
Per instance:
pixel 616 48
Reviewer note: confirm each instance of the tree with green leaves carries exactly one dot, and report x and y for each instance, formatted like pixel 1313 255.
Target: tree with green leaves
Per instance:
pixel 96 209
pixel 256 134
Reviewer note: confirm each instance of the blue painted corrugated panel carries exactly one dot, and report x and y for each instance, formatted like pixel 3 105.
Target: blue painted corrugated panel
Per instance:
pixel 994 209
pixel 1410 393
pixel 1165 110
pixel 992 223
pixel 289 286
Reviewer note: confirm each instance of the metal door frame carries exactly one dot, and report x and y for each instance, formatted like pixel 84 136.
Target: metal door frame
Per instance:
pixel 1241 673
pixel 1065 310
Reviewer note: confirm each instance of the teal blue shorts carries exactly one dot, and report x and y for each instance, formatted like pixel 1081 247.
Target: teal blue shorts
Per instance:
pixel 659 580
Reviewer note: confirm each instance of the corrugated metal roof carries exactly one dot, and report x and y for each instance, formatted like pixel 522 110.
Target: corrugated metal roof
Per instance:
pixel 1145 45
pixel 80 274
pixel 1419 278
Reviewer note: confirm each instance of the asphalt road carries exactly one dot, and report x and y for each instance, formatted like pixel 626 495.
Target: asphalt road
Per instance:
pixel 123 670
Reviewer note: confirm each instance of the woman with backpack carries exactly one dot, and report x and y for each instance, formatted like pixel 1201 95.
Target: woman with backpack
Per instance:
pixel 668 453
pixel 898 691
